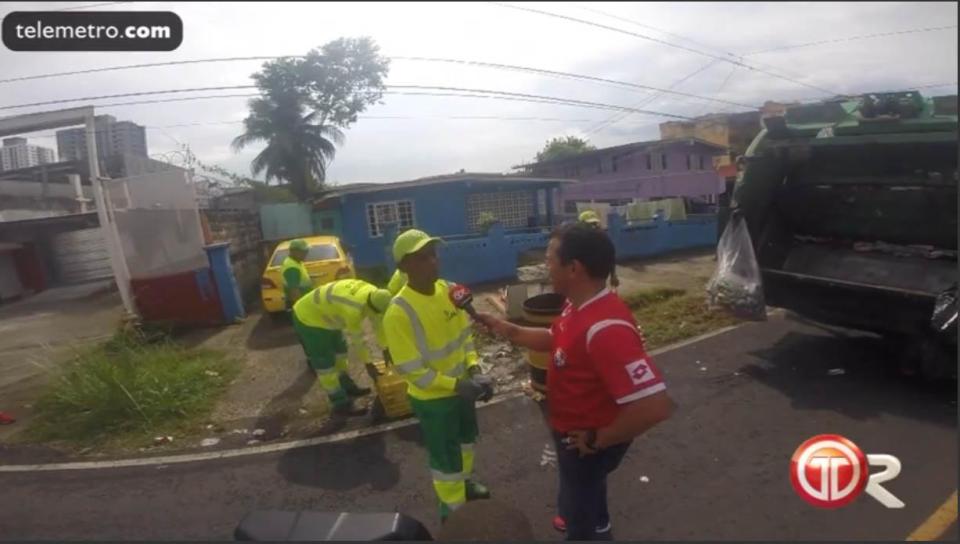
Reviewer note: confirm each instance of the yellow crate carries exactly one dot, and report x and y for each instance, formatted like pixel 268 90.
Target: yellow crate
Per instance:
pixel 391 391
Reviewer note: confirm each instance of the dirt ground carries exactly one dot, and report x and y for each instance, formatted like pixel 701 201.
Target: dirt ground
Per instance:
pixel 276 395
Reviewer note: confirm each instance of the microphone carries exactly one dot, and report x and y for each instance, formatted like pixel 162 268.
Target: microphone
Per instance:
pixel 462 298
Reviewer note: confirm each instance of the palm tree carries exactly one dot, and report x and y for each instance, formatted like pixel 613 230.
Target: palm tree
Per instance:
pixel 298 147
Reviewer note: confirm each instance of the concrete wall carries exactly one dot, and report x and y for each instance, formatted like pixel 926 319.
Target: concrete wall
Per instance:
pixel 241 228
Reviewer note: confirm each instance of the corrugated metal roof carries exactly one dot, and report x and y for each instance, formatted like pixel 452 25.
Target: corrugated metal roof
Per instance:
pixel 355 188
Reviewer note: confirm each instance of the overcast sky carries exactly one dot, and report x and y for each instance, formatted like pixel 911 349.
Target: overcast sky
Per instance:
pixel 413 136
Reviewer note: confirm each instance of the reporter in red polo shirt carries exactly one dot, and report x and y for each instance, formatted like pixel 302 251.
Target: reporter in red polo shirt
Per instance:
pixel 603 388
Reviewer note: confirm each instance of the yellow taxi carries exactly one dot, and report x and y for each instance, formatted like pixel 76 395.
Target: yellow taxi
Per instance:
pixel 326 261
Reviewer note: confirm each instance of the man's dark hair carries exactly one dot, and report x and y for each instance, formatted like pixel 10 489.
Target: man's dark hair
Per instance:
pixel 591 246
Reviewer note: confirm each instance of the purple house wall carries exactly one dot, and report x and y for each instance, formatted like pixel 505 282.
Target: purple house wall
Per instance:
pixel 645 170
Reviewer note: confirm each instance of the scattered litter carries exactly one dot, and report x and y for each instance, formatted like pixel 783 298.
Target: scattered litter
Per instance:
pixel 736 373
pixel 240 431
pixel 253 442
pixel 698 363
pixel 703 369
pixel 212 374
pixel 548 456
pixel 160 440
pixel 6 419
pixel 207 442
pixel 485 366
pixel 259 432
pixel 836 372
pixel 302 412
pixel 28 406
pixel 209 427
pixel 161 467
pixel 645 480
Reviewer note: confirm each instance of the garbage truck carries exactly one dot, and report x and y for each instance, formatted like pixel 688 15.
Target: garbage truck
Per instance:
pixel 851 209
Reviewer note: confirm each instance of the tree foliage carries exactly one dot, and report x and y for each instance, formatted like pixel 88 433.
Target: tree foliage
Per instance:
pixel 561 148
pixel 304 106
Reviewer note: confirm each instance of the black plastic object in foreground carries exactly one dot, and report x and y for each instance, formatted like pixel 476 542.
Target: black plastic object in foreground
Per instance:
pixel 280 526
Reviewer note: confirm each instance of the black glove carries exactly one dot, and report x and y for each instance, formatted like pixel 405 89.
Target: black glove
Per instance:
pixel 468 389
pixel 486 383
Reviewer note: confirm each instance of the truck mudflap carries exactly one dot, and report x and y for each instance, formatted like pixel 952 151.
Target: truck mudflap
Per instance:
pixel 880 309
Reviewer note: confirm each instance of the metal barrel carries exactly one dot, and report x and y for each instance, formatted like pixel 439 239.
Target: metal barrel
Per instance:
pixel 540 311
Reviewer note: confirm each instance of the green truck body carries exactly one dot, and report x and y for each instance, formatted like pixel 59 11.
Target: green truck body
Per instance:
pixel 851 205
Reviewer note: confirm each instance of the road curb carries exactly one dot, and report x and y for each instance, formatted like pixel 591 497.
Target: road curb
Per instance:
pixel 163 461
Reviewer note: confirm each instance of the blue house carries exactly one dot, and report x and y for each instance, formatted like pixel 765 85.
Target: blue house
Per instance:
pixel 449 206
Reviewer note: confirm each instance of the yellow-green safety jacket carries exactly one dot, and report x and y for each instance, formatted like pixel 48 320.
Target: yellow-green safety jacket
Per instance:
pixel 342 305
pixel 430 341
pixel 305 282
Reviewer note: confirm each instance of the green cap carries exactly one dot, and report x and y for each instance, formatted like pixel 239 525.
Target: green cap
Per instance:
pixel 411 241
pixel 299 245
pixel 589 216
pixel 380 299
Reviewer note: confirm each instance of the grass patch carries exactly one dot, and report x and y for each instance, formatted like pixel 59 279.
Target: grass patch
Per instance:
pixel 672 315
pixel 130 388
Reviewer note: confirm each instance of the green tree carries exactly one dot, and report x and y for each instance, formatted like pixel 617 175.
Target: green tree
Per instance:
pixel 305 103
pixel 561 148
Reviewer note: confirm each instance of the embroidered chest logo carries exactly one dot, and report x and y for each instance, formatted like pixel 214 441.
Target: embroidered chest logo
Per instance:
pixel 559 358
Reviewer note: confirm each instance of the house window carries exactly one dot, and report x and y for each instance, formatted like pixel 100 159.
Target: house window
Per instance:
pixel 701 157
pixel 649 161
pixel 663 161
pixel 689 162
pixel 599 166
pixel 511 208
pixel 381 214
pixel 614 161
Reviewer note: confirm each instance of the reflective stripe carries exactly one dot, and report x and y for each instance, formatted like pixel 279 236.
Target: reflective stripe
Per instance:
pixel 468 347
pixel 447 477
pixel 420 336
pixel 331 298
pixel 456 371
pixel 409 366
pixel 454 506
pixel 424 381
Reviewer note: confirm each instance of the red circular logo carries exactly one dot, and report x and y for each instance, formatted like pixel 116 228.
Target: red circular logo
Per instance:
pixel 829 471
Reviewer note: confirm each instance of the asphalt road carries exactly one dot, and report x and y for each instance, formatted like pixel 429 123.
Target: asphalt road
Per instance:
pixel 718 470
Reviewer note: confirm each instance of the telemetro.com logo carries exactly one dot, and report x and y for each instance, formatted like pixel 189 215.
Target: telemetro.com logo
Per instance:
pixel 829 471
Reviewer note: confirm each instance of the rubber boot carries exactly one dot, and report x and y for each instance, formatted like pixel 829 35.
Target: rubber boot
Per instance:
pixel 477 491
pixel 351 387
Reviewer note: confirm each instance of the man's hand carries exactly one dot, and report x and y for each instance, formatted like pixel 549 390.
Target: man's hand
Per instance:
pixel 582 441
pixel 486 383
pixel 498 326
pixel 468 389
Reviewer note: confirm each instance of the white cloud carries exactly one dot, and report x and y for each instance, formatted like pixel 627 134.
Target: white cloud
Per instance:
pixel 431 143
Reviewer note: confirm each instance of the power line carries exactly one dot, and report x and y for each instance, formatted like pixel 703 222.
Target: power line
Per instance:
pixel 402 88
pixel 662 31
pixel 88 6
pixel 616 119
pixel 568 75
pixel 850 39
pixel 510 67
pixel 669 44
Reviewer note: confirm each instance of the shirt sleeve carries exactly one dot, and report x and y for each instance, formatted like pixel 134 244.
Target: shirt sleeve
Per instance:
pixel 617 350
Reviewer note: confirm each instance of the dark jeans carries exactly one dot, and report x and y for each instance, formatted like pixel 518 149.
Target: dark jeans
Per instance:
pixel 582 499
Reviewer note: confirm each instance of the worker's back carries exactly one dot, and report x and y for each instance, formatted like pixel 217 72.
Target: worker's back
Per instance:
pixel 337 305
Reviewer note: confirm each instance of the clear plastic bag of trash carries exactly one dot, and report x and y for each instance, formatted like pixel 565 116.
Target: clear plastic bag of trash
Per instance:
pixel 736 284
pixel 944 318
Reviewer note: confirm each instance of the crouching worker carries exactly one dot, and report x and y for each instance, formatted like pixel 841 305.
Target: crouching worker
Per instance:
pixel 321 318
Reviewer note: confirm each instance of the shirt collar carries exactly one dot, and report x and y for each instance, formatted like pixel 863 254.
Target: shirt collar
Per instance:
pixel 598 296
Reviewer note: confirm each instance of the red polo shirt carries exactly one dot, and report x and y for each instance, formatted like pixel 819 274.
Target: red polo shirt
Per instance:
pixel 599 363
